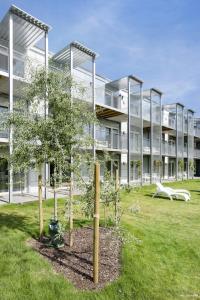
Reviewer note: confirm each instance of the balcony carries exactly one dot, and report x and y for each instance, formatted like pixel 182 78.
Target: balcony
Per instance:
pixel 18 63
pixel 156 146
pixel 146 109
pixel 146 146
pixel 197 132
pixel 116 100
pixel 197 153
pixel 169 122
pixel 135 146
pixel 168 148
pixel 3 134
pixel 113 140
pixel 185 150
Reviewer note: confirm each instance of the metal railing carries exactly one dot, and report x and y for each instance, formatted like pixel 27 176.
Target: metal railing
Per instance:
pixel 168 148
pixel 197 153
pixel 185 150
pixel 197 132
pixel 146 145
pixel 169 122
pixel 111 141
pixel 4 134
pixel 111 99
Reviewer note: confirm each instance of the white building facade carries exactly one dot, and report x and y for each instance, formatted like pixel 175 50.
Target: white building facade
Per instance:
pixel 145 140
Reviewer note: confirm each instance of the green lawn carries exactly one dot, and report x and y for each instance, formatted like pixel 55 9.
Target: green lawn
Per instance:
pixel 165 265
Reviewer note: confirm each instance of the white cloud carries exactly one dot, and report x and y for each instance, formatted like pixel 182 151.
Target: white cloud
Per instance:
pixel 165 59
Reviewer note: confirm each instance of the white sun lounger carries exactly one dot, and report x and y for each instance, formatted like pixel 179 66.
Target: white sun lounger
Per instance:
pixel 171 193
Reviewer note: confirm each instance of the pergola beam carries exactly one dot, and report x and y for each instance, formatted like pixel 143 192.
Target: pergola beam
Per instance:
pixel 27 17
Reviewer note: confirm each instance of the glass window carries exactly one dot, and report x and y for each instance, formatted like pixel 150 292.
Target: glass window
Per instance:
pixel 3 62
pixel 108 98
pixel 18 67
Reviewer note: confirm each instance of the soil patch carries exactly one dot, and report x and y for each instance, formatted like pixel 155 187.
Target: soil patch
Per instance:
pixel 76 263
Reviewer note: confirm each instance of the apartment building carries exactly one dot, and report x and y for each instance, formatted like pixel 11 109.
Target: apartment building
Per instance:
pixel 145 140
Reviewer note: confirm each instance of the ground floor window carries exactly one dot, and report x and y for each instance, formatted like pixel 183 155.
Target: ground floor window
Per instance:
pixel 18 178
pixel 172 168
pixel 3 175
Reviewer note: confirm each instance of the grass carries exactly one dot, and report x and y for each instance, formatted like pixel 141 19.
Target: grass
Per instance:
pixel 165 265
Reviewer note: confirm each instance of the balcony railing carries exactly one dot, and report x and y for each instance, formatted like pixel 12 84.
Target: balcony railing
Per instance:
pixel 155 146
pixel 146 145
pixel 134 146
pixel 169 122
pixel 197 153
pixel 111 141
pixel 119 141
pixel 111 99
pixel 3 134
pixel 197 132
pixel 185 150
pixel 168 148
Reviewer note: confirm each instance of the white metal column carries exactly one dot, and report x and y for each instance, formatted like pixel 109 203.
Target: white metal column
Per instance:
pixel 46 170
pixel 182 175
pixel 161 161
pixel 128 135
pixel 71 73
pixel 188 167
pixel 151 138
pixel 10 103
pixel 141 116
pixel 93 100
pixel 176 142
pixel 46 62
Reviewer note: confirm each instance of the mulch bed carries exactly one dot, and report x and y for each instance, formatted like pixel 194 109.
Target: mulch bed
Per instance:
pixel 76 263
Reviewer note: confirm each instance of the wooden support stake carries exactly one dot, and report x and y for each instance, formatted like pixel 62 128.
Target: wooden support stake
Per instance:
pixel 55 206
pixel 71 214
pixel 40 205
pixel 117 180
pixel 55 198
pixel 96 225
pixel 116 200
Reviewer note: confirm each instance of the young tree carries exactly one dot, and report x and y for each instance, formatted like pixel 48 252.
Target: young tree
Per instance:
pixel 54 138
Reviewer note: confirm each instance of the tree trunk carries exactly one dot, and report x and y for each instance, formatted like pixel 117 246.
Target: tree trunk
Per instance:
pixel 96 225
pixel 40 205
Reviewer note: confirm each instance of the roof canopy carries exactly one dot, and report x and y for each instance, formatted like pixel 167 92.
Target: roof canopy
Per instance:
pixel 27 30
pixel 81 54
pixel 122 83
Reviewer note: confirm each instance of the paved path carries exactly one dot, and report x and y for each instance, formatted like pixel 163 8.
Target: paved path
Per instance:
pixel 25 197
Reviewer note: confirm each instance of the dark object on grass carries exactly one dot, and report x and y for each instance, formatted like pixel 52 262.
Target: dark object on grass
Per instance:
pixel 56 234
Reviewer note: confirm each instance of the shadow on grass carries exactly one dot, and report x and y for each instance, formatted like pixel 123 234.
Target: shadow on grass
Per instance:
pixel 150 195
pixel 162 197
pixel 19 222
pixel 66 259
pixel 157 197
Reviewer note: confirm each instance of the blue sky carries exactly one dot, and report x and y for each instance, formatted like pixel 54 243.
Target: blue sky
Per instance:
pixel 156 40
